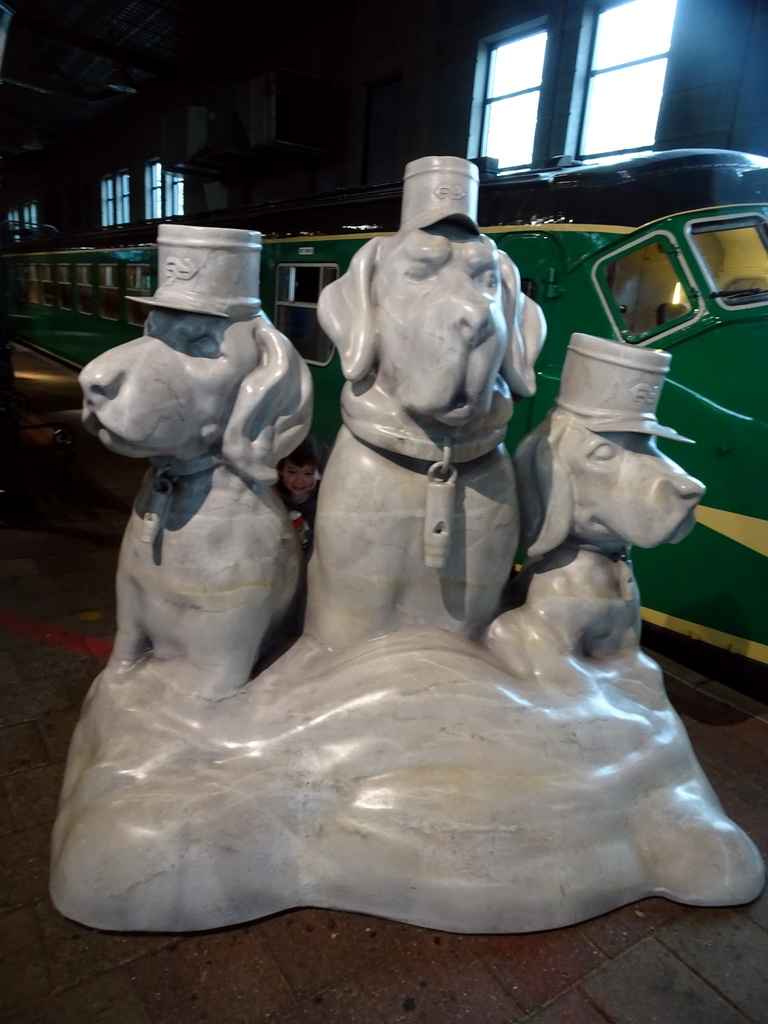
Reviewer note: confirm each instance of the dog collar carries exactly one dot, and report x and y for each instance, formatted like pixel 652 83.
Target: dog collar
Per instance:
pixel 166 476
pixel 625 577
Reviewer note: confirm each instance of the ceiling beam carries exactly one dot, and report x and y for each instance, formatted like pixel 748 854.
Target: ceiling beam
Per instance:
pixel 97 47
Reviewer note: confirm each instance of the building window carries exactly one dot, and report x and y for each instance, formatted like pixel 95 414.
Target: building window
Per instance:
pixel 625 84
pixel 163 192
pixel 512 70
pixel 29 215
pixel 298 289
pixel 153 190
pixel 14 224
pixel 173 187
pixel 115 199
pixel 21 219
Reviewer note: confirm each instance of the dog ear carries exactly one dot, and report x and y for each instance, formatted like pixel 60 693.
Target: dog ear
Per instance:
pixel 544 487
pixel 273 406
pixel 345 310
pixel 527 331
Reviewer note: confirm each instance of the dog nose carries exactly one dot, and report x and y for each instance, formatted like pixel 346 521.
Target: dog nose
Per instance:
pixel 686 487
pixel 472 321
pixel 100 385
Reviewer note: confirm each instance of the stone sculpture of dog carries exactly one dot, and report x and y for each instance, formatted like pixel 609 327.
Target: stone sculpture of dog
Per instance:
pixel 592 484
pixel 435 338
pixel 209 562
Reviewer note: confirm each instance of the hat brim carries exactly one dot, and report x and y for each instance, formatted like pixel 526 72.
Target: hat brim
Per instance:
pixel 632 425
pixel 429 218
pixel 223 309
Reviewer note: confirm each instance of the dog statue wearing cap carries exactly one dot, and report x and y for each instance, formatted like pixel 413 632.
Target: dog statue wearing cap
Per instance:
pixel 417 519
pixel 592 483
pixel 213 395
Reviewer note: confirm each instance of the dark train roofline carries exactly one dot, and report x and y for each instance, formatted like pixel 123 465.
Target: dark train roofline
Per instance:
pixel 627 192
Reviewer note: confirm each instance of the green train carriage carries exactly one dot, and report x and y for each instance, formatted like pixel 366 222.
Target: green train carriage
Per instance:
pixel 668 250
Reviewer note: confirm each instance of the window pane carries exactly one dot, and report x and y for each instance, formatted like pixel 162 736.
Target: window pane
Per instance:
pixel 623 108
pixel 65 289
pixel 511 129
pixel 737 260
pixel 518 65
pixel 646 288
pixel 635 30
pixel 299 324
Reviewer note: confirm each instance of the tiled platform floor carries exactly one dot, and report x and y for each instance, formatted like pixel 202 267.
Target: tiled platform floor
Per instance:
pixel 653 961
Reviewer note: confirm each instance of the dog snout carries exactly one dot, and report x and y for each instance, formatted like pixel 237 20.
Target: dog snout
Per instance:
pixel 100 383
pixel 687 488
pixel 471 320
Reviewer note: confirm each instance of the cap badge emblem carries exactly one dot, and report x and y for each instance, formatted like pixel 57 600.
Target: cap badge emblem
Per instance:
pixel 455 192
pixel 644 393
pixel 179 268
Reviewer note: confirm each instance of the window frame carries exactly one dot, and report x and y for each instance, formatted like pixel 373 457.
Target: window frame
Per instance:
pixel 153 190
pixel 84 288
pixel 163 192
pixel 678 261
pixel 584 77
pixel 482 101
pixel 757 220
pixel 291 304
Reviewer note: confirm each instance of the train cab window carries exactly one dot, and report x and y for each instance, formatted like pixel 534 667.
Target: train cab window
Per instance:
pixel 84 281
pixel 109 301
pixel 647 289
pixel 46 280
pixel 64 286
pixel 34 284
pixel 298 289
pixel 138 282
pixel 734 254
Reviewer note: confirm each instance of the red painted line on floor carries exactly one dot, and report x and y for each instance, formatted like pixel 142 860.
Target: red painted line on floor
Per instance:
pixel 57 636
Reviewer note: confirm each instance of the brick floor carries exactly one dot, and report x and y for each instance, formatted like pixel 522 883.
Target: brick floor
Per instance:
pixel 652 961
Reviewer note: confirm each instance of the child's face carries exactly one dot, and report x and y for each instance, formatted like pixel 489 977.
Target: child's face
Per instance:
pixel 299 481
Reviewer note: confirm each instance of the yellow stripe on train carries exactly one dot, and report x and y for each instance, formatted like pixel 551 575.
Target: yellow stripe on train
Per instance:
pixel 734 644
pixel 746 530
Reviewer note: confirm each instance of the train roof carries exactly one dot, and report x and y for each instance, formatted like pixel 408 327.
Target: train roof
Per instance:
pixel 631 191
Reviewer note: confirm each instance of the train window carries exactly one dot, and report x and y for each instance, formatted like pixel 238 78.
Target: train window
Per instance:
pixel 298 289
pixel 84 281
pixel 138 282
pixel 734 253
pixel 109 300
pixel 646 288
pixel 46 280
pixel 34 284
pixel 64 286
pixel 22 290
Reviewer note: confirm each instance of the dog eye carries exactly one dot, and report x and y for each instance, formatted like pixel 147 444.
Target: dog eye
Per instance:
pixel 603 452
pixel 488 279
pixel 420 271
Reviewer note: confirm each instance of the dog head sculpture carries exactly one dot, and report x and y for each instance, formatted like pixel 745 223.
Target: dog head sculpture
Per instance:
pixel 209 375
pixel 591 472
pixel 432 328
pixel 605 489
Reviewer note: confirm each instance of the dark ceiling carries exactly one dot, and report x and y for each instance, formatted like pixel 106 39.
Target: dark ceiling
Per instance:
pixel 71 66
